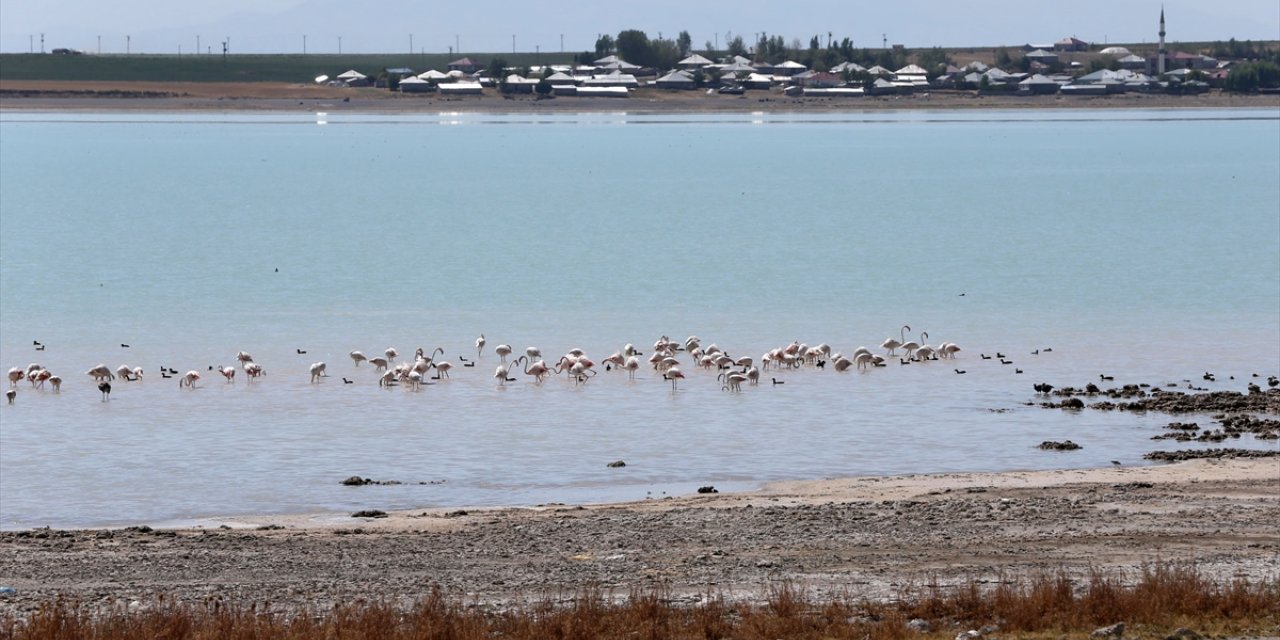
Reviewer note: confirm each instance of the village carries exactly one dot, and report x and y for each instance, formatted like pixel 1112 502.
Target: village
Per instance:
pixel 1070 66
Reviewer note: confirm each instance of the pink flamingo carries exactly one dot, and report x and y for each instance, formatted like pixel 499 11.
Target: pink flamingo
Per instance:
pixel 673 374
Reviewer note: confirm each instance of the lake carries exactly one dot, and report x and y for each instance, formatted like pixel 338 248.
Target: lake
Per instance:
pixel 1139 244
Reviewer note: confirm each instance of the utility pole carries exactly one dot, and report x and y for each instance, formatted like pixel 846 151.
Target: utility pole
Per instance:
pixel 100 46
pixel 562 43
pixel 513 43
pixel 31 43
pixel 42 43
pixel 885 41
pixel 411 44
pixel 339 45
pixel 457 44
pixel 128 46
pixel 304 44
pixel 197 44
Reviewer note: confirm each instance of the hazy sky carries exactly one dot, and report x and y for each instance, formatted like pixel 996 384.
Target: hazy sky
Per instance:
pixel 279 26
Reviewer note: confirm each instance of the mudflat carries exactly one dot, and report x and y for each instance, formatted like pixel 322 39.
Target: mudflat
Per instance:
pixel 855 536
pixel 35 95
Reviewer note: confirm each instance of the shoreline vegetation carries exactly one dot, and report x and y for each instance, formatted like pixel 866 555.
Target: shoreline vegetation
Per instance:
pixel 204 97
pixel 1188 544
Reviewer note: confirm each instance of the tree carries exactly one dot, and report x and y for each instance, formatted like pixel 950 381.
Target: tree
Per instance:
pixel 497 69
pixel 934 61
pixel 736 47
pixel 604 46
pixel 1251 76
pixel 633 46
pixel 543 87
pixel 1002 58
pixel 663 54
pixel 684 42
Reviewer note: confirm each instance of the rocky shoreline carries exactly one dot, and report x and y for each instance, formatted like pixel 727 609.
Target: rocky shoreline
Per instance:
pixel 868 537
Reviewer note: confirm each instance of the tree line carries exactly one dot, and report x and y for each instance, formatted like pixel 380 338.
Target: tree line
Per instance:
pixel 635 46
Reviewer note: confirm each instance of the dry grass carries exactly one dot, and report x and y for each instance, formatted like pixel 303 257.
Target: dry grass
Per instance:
pixel 1159 600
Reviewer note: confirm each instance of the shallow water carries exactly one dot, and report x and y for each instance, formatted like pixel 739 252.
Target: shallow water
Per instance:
pixel 1140 244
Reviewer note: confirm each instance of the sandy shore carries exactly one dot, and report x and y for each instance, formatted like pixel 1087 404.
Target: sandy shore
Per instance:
pixel 861 536
pixel 30 95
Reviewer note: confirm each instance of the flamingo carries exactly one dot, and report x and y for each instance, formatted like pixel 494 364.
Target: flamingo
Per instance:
pixel 227 372
pixel 100 373
pixel 56 383
pixel 357 357
pixel 10 395
pixel 434 352
pixel 948 350
pixel 16 374
pixel 105 388
pixel 503 350
pixel 753 374
pixel 391 354
pixel 317 372
pixel 614 359
pixel 189 380
pixel 442 369
pixel 534 353
pixel 732 380
pixel 479 345
pixel 124 373
pixel 538 370
pixel 137 373
pixel 504 370
pixel 864 360
pixel 415 381
pixel 37 378
pixel 910 347
pixel 34 367
pixel 580 369
pixel 253 370
pixel 379 364
pixel 632 364
pixel 673 374
pixel 243 357
pixel 388 379
pixel 891 344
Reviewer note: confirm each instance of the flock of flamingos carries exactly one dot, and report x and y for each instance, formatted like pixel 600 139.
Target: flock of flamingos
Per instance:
pixel 575 364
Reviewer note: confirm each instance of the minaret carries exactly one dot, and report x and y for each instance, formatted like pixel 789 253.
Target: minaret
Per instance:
pixel 1160 63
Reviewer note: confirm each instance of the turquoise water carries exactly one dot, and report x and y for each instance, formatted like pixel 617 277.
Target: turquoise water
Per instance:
pixel 1141 244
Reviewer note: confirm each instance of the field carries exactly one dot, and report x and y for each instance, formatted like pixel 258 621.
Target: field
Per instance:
pixel 232 68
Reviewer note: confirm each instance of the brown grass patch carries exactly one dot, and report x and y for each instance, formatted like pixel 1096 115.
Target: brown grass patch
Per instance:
pixel 1157 601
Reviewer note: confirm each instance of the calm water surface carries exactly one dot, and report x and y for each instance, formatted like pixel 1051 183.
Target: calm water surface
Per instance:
pixel 1140 244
